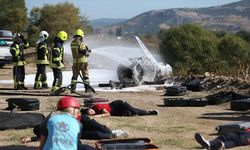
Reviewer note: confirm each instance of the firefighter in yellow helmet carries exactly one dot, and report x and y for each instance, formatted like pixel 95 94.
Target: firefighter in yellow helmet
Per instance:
pixel 18 60
pixel 80 53
pixel 56 59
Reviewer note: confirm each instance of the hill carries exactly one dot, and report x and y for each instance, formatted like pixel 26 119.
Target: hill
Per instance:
pixel 97 23
pixel 230 17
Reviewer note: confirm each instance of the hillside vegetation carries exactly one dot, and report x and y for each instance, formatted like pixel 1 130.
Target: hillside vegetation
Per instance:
pixel 231 17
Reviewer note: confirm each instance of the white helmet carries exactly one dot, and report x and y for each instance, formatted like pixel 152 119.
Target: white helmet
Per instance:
pixel 44 34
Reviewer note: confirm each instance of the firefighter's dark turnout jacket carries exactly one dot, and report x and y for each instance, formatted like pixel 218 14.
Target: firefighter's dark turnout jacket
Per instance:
pixel 41 62
pixel 18 60
pixel 56 63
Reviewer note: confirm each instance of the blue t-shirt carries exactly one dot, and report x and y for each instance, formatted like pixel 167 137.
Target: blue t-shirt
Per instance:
pixel 63 130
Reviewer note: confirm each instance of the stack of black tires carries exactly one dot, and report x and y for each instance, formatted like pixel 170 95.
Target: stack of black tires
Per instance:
pixel 176 97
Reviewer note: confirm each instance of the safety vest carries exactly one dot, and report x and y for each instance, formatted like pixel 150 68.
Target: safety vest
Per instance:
pixel 56 56
pixel 17 52
pixel 78 50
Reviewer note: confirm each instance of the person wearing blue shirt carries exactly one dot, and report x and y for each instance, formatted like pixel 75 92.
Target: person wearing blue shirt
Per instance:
pixel 63 128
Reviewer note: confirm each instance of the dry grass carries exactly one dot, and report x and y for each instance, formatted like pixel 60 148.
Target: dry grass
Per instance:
pixel 172 129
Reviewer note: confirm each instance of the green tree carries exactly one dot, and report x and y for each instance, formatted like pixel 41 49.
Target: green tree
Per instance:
pixel 54 18
pixel 245 35
pixel 86 26
pixel 190 49
pixel 236 52
pixel 33 29
pixel 35 15
pixel 13 15
pixel 118 31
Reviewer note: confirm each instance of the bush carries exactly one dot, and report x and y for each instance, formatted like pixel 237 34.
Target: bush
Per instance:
pixel 191 49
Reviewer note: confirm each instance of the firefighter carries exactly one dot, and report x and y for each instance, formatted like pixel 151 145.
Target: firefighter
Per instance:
pixel 56 59
pixel 80 53
pixel 41 61
pixel 18 60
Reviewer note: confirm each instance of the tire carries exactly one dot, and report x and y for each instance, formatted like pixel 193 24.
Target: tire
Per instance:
pixel 240 105
pixel 175 102
pixel 197 102
pixel 185 102
pixel 2 65
pixel 25 104
pixel 175 90
pixel 219 98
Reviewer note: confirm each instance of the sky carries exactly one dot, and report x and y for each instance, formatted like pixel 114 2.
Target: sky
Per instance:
pixel 96 9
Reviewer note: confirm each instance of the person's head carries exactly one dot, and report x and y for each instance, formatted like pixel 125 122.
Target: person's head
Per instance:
pixel 17 38
pixel 43 34
pixel 62 35
pixel 88 111
pixel 79 33
pixel 70 105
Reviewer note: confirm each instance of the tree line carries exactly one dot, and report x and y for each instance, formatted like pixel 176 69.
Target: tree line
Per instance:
pixel 192 49
pixel 51 18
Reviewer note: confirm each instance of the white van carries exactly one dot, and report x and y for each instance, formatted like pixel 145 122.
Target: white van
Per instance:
pixel 5 42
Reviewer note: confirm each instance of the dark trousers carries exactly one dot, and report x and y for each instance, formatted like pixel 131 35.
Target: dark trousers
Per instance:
pixel 85 147
pixel 94 130
pixel 18 75
pixel 57 83
pixel 41 77
pixel 233 139
pixel 122 108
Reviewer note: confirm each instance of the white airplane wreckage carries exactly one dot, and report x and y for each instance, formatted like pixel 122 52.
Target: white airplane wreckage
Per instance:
pixel 141 70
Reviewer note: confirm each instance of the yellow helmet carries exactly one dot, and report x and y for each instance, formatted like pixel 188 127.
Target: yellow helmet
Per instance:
pixel 62 35
pixel 79 32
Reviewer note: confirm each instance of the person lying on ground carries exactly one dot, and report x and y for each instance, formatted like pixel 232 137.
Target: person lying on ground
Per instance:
pixel 116 108
pixel 227 140
pixel 37 131
pixel 95 131
pixel 92 130
pixel 62 128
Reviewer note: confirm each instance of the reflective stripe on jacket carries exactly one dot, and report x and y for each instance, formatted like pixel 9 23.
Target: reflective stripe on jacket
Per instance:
pixel 56 56
pixel 42 53
pixel 18 57
pixel 78 50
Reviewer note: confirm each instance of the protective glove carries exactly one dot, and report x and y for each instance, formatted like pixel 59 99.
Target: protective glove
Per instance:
pixel 23 39
pixel 87 53
pixel 57 63
pixel 87 48
pixel 83 52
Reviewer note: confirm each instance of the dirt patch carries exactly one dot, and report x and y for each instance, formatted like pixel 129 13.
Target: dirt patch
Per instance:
pixel 173 128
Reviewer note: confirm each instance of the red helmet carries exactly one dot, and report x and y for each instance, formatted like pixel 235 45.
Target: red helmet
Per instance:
pixel 66 102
